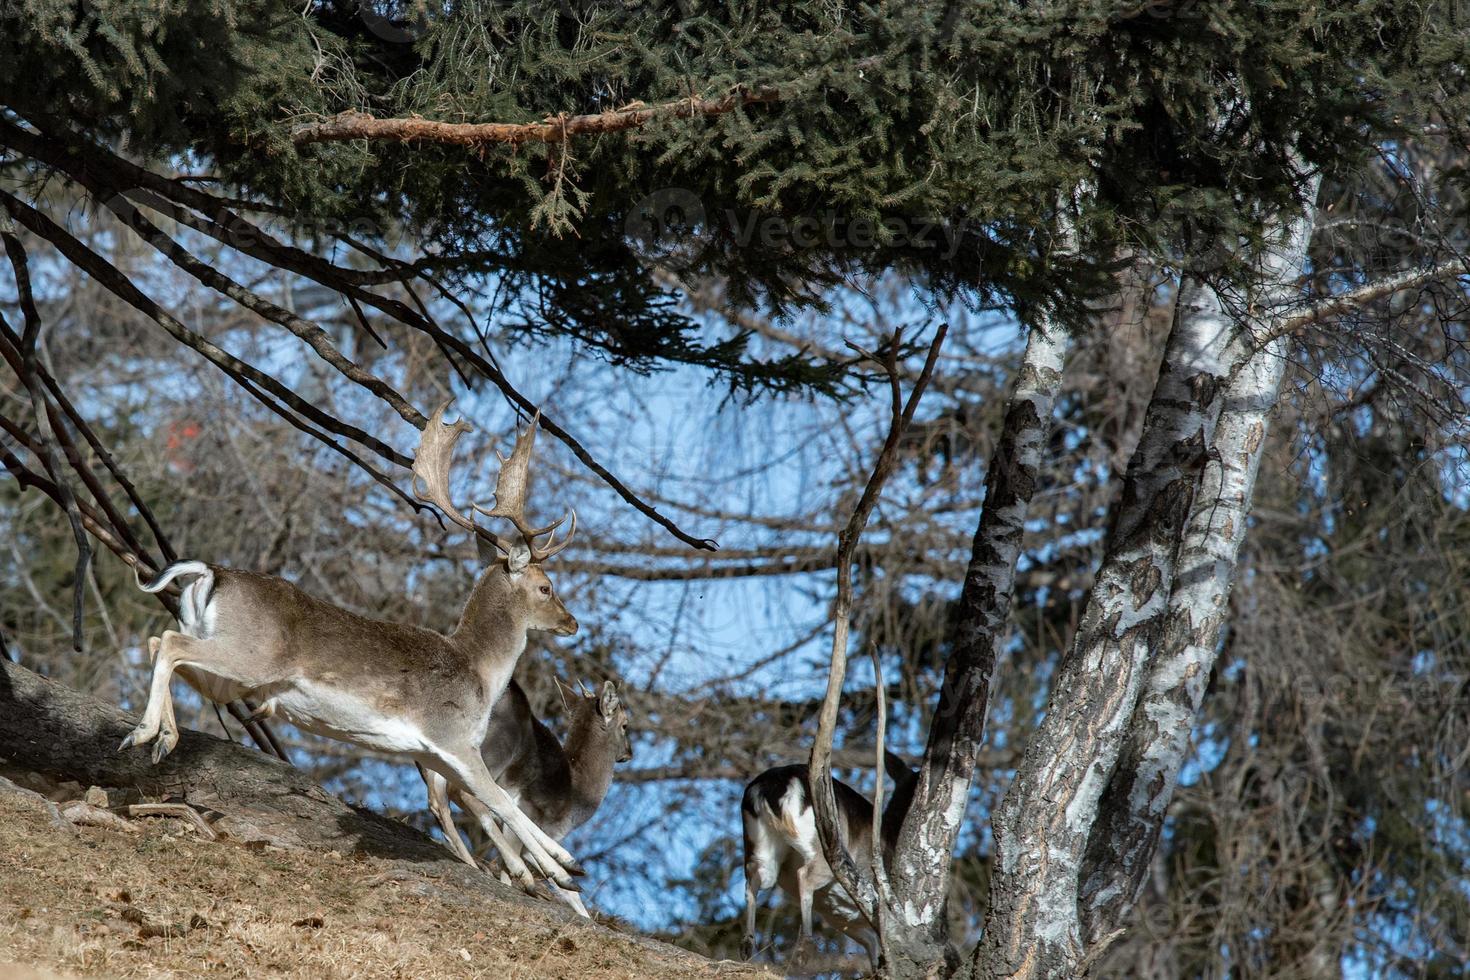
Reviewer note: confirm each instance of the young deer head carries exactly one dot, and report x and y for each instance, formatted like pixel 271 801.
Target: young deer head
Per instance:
pixel 388 687
pixel 599 723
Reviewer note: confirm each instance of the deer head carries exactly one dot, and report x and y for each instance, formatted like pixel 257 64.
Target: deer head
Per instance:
pixel 523 558
pixel 614 718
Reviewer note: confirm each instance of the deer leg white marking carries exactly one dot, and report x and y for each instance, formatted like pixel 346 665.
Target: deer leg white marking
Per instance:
pixel 158 714
pixel 804 897
pixel 510 853
pixel 752 896
pixel 439 805
pixel 468 770
pixel 168 722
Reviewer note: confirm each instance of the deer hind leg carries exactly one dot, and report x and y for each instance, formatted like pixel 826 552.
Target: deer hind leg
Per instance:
pixel 571 898
pixel 804 895
pixel 158 724
pixel 222 662
pixel 763 856
pixel 439 805
pixel 468 770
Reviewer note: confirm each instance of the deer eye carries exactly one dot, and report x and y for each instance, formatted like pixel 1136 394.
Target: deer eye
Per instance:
pixel 546 590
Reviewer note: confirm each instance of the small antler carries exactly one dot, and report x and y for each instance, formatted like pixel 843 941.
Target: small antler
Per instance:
pixel 432 463
pixel 511 488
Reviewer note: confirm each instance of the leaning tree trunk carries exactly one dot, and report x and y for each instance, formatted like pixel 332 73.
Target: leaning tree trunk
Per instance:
pixel 915 937
pixel 1043 824
pixel 1131 816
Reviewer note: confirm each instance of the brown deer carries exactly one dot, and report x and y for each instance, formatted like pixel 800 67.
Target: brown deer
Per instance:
pixel 558 786
pixel 782 848
pixel 388 687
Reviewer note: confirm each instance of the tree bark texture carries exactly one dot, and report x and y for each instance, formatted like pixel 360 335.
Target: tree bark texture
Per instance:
pixel 1043 824
pixel 915 936
pixel 1131 817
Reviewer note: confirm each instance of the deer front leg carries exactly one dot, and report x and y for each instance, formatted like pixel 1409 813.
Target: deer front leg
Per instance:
pixel 439 805
pixel 158 714
pixel 468 770
pixel 510 852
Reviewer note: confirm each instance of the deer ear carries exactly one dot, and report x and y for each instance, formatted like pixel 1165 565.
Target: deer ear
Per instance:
pixel 517 559
pixel 608 703
pixel 486 551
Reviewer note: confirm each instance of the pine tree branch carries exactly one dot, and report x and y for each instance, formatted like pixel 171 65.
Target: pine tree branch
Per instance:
pixel 353 125
pixel 89 164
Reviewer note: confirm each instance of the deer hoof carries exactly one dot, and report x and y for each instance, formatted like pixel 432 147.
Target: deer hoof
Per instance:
pixel 164 745
pixel 138 736
pixel 574 868
pixel 747 948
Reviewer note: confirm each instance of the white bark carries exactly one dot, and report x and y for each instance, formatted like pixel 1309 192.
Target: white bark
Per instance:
pixel 1044 823
pixel 1132 813
pixel 914 936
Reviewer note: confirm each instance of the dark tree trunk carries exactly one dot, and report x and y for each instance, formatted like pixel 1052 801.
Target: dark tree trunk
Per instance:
pixel 915 937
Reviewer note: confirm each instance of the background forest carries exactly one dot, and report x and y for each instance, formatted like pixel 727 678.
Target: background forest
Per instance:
pixel 1320 823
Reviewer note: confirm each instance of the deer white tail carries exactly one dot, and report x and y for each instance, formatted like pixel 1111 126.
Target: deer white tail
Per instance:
pixel 194 601
pixel 793 808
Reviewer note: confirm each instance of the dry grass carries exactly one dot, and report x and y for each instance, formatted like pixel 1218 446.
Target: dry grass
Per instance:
pixel 162 902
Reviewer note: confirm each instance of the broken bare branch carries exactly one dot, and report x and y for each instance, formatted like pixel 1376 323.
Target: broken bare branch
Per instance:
pixel 348 126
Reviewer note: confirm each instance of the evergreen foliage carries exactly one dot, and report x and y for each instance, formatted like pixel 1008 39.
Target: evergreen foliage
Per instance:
pixel 894 122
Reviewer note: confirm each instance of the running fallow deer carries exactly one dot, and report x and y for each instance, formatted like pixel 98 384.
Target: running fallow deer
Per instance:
pixel 782 847
pixel 558 786
pixel 392 688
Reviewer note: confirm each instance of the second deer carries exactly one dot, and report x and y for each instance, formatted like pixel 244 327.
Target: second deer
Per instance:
pixel 558 786
pixel 782 847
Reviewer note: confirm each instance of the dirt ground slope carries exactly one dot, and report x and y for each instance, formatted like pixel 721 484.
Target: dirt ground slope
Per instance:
pixel 155 899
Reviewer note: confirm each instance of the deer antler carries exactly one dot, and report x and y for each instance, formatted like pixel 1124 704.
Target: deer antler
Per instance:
pixel 432 462
pixel 511 487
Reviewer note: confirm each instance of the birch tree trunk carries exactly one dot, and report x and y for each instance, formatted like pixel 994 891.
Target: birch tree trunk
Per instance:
pixel 1043 824
pixel 915 938
pixel 1131 816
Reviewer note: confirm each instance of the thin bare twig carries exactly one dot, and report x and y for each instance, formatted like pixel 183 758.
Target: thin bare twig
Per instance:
pixel 824 798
